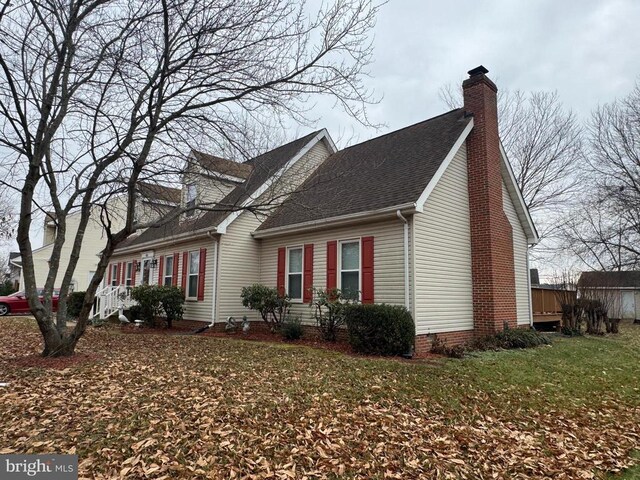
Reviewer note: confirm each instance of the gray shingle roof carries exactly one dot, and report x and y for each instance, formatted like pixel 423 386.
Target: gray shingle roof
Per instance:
pixel 390 170
pixel 629 279
pixel 222 165
pixel 152 192
pixel 263 167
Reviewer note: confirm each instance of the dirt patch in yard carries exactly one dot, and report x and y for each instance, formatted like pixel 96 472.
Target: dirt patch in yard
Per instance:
pixel 60 363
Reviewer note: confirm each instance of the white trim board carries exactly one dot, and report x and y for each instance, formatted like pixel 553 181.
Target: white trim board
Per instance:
pixel 323 134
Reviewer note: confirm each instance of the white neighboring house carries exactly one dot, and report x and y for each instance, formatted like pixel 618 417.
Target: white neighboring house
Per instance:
pixel 429 217
pixel 620 291
pixel 152 202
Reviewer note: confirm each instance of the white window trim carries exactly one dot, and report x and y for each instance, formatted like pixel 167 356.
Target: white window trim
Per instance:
pixel 164 273
pixel 339 266
pixel 128 274
pixel 287 273
pixel 189 274
pixel 114 275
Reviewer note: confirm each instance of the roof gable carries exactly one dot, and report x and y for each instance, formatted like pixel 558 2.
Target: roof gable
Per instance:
pixel 263 168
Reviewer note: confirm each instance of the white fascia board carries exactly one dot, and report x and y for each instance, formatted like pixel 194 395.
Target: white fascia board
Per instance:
pixel 323 134
pixel 521 206
pixel 370 215
pixel 182 238
pixel 443 166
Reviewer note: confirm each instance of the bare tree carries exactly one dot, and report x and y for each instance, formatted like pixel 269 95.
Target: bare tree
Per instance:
pixel 96 95
pixel 604 232
pixel 566 293
pixel 543 141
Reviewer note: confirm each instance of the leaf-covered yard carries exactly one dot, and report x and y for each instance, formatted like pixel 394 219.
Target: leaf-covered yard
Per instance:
pixel 160 406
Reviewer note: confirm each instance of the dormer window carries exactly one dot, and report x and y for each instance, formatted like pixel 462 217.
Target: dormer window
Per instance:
pixel 190 200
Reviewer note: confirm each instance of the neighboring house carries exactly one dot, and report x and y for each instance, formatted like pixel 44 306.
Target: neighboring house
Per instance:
pixel 14 269
pixel 620 291
pixel 429 217
pixel 152 202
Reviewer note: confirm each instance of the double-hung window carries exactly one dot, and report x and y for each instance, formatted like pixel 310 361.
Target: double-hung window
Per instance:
pixel 114 275
pixel 192 280
pixel 168 270
pixel 349 268
pixel 294 273
pixel 129 274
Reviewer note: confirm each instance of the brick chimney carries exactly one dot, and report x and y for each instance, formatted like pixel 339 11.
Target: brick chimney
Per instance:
pixel 494 291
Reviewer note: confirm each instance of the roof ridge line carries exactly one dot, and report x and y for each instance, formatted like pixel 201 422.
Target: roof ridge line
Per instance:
pixel 401 129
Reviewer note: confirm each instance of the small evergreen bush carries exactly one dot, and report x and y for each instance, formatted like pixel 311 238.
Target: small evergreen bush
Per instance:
pixel 511 338
pixel 154 301
pixel 380 329
pixel 291 328
pixel 75 301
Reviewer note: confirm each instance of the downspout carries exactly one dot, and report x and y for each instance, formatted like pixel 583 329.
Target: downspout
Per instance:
pixel 214 284
pixel 529 290
pixel 406 259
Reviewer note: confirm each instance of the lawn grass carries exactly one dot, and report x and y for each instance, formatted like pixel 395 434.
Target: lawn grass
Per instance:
pixel 194 407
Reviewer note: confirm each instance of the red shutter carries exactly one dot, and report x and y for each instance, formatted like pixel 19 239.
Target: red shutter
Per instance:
pixel 160 271
pixel 307 283
pixel 332 264
pixel 109 275
pixel 124 273
pixel 118 268
pixel 176 261
pixel 185 265
pixel 367 270
pixel 202 273
pixel 282 256
pixel 134 270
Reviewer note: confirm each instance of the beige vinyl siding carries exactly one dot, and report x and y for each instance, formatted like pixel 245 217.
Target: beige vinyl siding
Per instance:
pixel 520 252
pixel 388 259
pixel 238 267
pixel 239 263
pixel 93 242
pixel 442 254
pixel 193 310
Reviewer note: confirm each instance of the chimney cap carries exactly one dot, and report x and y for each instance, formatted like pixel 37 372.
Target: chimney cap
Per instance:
pixel 479 70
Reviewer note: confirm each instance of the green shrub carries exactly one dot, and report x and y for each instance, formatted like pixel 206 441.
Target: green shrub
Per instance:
pixel 329 310
pixel 291 328
pixel 440 347
pixel 380 329
pixel 154 301
pixel 511 338
pixel 75 300
pixel 7 288
pixel 172 303
pixel 273 308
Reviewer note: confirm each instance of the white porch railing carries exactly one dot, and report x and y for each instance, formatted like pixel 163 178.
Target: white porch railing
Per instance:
pixel 110 299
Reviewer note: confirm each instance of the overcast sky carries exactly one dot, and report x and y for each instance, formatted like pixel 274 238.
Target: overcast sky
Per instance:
pixel 587 50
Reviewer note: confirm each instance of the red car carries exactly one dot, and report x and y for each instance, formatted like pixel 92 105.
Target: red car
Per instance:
pixel 17 302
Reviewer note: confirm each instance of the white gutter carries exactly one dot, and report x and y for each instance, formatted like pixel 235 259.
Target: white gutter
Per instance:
pixel 335 221
pixel 214 284
pixel 406 259
pixel 151 244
